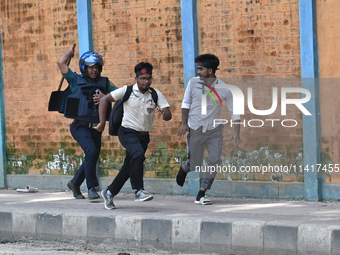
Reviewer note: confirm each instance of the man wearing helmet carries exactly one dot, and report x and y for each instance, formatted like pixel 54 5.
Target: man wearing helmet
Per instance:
pixel 91 65
pixel 83 108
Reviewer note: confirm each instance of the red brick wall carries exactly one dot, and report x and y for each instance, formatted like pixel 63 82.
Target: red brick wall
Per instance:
pixel 258 44
pixel 328 40
pixel 253 39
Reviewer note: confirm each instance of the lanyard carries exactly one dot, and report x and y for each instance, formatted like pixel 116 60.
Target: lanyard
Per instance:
pixel 140 97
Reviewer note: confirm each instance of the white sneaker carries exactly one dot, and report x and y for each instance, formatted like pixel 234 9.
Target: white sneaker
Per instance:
pixel 203 201
pixel 143 195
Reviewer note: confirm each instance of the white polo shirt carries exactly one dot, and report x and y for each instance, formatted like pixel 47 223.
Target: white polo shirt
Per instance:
pixel 139 109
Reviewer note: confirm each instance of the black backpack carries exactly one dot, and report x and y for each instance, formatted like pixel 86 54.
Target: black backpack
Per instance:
pixel 117 111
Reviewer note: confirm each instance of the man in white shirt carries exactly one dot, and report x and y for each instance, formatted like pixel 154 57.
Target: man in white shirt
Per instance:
pixel 199 123
pixel 139 111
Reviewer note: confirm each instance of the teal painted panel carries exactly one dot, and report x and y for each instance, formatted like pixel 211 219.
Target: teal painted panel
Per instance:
pixel 331 191
pixel 246 189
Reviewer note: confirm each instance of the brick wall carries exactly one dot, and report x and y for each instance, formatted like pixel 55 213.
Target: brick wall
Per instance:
pixel 328 31
pixel 253 39
pixel 258 46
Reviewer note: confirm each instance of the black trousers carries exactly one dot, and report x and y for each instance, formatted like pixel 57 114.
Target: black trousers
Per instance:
pixel 89 140
pixel 136 144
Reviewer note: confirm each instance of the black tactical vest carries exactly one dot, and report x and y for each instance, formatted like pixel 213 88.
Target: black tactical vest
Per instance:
pixel 80 105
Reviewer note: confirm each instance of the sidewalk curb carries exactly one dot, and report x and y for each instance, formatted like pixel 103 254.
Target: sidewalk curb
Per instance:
pixel 175 234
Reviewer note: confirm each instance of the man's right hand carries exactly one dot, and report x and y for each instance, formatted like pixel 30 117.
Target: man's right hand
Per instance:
pixel 182 131
pixel 64 59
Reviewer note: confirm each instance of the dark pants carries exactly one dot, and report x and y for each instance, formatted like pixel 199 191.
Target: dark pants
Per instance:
pixel 136 144
pixel 89 140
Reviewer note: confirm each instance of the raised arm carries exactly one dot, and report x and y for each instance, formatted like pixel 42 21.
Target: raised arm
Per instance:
pixel 62 62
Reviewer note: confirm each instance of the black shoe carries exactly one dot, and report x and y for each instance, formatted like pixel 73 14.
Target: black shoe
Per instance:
pixel 76 190
pixel 180 178
pixel 93 194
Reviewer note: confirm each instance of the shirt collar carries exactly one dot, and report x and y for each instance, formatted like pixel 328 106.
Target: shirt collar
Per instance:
pixel 213 84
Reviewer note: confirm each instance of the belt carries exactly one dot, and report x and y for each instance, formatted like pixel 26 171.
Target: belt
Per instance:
pixel 143 132
pixel 85 123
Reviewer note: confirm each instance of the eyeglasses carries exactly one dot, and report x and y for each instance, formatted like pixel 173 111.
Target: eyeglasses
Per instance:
pixel 146 79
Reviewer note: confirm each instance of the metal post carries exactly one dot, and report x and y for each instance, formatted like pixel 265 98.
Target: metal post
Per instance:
pixel 85 29
pixel 313 180
pixel 190 51
pixel 3 149
pixel 85 32
pixel 189 38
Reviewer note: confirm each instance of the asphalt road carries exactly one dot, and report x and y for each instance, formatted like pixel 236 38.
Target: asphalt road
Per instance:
pixel 34 247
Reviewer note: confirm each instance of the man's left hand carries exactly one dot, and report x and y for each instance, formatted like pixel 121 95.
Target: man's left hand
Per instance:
pixel 100 127
pixel 237 140
pixel 165 113
pixel 97 97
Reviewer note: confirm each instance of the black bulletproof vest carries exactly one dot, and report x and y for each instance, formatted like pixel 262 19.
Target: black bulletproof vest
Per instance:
pixel 80 105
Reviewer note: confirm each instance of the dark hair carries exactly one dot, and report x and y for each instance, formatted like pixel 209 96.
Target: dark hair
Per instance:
pixel 143 65
pixel 210 58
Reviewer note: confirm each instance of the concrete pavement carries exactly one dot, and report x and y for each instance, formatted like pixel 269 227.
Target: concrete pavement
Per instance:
pixel 174 224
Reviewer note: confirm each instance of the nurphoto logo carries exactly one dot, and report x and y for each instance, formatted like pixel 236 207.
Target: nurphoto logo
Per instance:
pixel 238 104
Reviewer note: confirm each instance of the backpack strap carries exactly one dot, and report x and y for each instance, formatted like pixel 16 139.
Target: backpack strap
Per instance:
pixel 127 93
pixel 154 95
